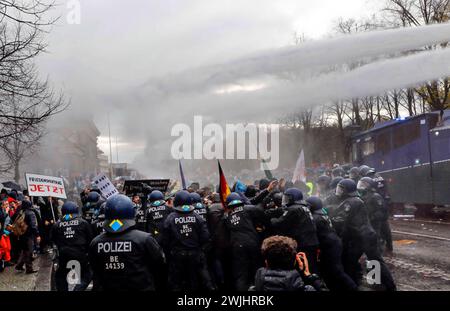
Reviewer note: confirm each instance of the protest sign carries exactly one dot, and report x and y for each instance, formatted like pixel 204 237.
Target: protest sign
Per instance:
pixel 136 187
pixel 105 186
pixel 45 186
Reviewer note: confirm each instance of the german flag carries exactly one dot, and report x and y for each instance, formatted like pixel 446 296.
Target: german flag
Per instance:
pixel 224 190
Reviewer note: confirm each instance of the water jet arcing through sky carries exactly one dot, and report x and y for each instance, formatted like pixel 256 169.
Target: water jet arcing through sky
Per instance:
pixel 304 58
pixel 310 74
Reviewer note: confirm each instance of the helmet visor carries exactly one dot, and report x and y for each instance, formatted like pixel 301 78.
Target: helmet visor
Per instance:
pixel 339 191
pixel 363 186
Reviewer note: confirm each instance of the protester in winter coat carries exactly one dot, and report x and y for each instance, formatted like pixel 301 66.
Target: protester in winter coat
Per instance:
pixel 279 273
pixel 26 240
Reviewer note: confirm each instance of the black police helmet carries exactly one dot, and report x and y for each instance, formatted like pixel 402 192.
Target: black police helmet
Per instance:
pixel 156 195
pixel 93 197
pixel 324 180
pixel 119 214
pixel 338 172
pixel 234 200
pixel 182 201
pixel 335 182
pixel 367 171
pixel 315 203
pixel 363 167
pixel 291 196
pixel 346 187
pixel 366 184
pixel 69 208
pixel 354 172
pixel 195 198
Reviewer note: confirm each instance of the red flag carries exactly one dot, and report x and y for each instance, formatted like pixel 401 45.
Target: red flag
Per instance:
pixel 224 190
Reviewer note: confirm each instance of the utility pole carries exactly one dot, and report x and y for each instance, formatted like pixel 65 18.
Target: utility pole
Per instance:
pixel 110 150
pixel 117 151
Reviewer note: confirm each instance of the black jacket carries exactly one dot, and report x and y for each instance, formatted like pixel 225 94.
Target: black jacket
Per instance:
pixel 325 232
pixel 46 211
pixel 220 237
pixel 376 210
pixel 72 237
pixel 267 280
pixel 155 218
pixel 331 202
pixel 241 224
pixel 202 212
pixel 125 261
pixel 141 218
pixel 97 225
pixel 351 221
pixel 184 231
pixel 296 222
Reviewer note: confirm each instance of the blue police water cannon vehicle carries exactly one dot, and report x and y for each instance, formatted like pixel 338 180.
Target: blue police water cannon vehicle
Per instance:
pixel 412 154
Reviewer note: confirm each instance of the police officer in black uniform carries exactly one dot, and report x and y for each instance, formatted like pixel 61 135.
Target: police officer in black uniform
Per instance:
pixel 351 222
pixel 92 207
pixel 323 185
pixel 241 221
pixel 157 213
pixel 140 207
pixel 332 200
pixel 123 258
pixel 382 189
pixel 354 174
pixel 98 220
pixel 185 238
pixel 200 208
pixel 297 223
pixel 375 205
pixel 330 256
pixel 72 236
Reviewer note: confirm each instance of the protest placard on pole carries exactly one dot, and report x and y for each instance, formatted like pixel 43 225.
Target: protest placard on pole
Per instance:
pixel 105 186
pixel 45 186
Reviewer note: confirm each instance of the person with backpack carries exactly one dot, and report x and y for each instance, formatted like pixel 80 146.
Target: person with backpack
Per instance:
pixel 25 227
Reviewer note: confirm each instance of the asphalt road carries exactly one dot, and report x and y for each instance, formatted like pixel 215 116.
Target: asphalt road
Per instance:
pixel 12 280
pixel 421 259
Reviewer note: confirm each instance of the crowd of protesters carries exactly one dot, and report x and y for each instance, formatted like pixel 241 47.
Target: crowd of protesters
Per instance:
pixel 35 218
pixel 271 234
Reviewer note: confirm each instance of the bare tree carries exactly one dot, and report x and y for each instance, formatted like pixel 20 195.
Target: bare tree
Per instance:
pixel 424 12
pixel 26 101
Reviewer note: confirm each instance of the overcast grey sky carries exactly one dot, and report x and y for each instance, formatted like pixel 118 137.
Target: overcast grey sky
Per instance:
pixel 120 44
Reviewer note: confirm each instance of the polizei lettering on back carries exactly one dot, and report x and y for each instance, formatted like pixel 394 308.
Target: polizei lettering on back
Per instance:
pixel 185 220
pixel 115 247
